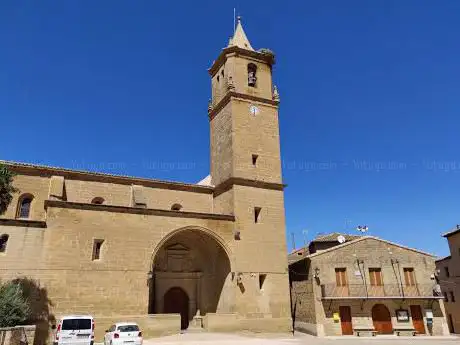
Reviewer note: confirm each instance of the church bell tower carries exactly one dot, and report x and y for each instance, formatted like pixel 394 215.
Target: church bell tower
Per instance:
pixel 246 175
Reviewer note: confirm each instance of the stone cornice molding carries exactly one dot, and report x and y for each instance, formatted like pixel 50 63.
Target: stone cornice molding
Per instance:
pixel 235 51
pixel 23 223
pixel 136 210
pixel 229 183
pixel 241 96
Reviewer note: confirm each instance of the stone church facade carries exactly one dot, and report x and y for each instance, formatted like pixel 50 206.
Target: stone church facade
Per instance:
pixel 165 254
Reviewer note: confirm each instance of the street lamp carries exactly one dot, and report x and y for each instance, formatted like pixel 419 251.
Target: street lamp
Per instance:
pixel 316 275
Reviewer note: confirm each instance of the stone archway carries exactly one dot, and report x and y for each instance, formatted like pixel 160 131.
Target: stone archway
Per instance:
pixel 195 262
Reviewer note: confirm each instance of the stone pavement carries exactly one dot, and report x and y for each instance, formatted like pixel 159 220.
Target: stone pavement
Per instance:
pixel 298 339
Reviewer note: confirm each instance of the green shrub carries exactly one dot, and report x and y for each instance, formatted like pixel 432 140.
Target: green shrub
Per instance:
pixel 6 188
pixel 14 309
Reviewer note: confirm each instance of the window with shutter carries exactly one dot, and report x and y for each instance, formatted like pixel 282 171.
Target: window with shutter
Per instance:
pixel 409 276
pixel 341 276
pixel 375 275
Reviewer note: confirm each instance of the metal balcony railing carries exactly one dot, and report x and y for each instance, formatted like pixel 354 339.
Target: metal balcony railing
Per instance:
pixel 383 291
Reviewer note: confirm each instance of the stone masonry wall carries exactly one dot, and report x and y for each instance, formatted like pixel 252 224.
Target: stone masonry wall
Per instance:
pixel 113 194
pixel 256 135
pixel 221 145
pixel 302 297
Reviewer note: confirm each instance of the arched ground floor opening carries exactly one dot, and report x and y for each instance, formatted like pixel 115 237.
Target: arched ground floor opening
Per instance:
pixel 176 301
pixel 190 277
pixel 381 319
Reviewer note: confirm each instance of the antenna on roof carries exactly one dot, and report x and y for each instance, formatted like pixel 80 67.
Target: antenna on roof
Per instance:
pixel 234 20
pixel 305 232
pixel 293 241
pixel 362 228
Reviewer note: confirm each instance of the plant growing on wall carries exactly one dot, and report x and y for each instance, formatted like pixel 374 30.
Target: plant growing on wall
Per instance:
pixel 14 309
pixel 6 188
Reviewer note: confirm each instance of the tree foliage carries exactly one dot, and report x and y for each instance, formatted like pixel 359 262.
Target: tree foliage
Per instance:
pixel 6 188
pixel 14 308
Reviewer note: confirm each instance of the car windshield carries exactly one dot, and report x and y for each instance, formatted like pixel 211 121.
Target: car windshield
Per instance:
pixel 128 328
pixel 72 324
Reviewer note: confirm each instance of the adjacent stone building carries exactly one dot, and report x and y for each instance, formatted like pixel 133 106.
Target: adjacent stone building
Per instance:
pixel 363 285
pixel 167 254
pixel 448 275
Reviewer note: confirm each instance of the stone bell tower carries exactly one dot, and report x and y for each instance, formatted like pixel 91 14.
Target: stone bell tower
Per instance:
pixel 246 173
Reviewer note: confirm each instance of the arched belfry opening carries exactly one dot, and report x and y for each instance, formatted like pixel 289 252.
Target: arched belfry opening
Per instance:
pixel 191 264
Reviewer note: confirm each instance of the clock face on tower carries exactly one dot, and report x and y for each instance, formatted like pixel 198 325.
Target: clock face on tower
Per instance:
pixel 253 110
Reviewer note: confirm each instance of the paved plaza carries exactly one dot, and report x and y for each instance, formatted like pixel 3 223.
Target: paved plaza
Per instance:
pixel 251 339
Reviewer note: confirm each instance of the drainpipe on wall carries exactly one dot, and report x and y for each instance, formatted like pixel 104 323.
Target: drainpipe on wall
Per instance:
pixel 363 276
pixel 401 288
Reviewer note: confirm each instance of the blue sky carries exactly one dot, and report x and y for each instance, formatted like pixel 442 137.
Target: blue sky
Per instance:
pixel 369 115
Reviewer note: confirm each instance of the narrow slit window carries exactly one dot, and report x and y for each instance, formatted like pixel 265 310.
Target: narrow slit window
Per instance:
pixel 24 206
pixel 97 248
pixel 262 278
pixel 452 296
pixel 446 271
pixel 254 159
pixel 257 214
pixel 3 242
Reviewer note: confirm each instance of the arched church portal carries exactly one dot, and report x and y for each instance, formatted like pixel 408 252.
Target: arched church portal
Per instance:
pixel 193 268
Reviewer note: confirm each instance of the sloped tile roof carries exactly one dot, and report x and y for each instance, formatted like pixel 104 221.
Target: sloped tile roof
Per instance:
pixel 452 231
pixel 298 254
pixel 332 237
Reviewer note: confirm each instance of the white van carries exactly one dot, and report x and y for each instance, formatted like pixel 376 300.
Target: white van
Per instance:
pixel 75 329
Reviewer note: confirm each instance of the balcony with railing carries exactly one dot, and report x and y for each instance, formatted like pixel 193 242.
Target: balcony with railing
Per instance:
pixel 362 291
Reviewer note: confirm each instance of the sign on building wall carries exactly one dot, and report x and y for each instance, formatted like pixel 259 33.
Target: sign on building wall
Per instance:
pixel 336 317
pixel 402 315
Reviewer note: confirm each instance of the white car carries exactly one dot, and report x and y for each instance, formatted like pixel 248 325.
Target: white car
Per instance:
pixel 74 330
pixel 123 333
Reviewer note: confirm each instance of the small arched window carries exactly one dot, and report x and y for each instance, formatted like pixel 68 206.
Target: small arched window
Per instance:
pixel 3 242
pixel 252 75
pixel 24 206
pixel 97 200
pixel 176 207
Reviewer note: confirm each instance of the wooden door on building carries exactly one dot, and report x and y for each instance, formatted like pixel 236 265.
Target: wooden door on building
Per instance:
pixel 417 319
pixel 341 282
pixel 376 287
pixel 382 319
pixel 345 320
pixel 410 289
pixel 176 301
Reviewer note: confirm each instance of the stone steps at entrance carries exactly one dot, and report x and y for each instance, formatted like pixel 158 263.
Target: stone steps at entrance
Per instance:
pixel 192 329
